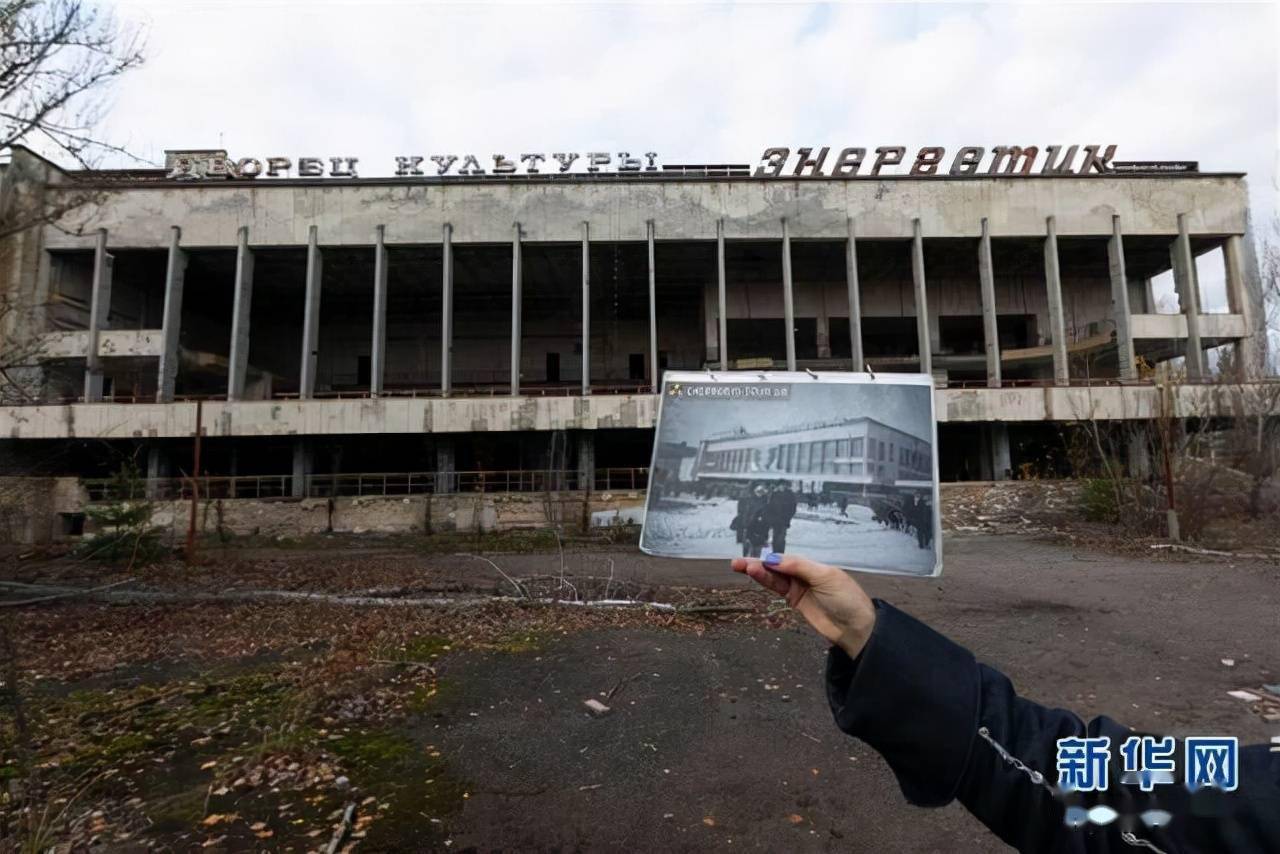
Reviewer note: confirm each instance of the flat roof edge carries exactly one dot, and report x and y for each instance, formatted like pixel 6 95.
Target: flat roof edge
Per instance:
pixel 83 180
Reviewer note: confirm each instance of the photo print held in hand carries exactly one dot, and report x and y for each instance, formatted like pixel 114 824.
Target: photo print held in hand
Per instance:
pixel 839 467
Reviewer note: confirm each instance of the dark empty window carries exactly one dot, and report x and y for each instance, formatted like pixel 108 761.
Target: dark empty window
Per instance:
pixel 961 335
pixel 553 367
pixel 635 366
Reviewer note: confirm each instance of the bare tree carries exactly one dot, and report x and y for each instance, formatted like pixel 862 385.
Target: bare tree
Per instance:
pixel 54 53
pixel 57 59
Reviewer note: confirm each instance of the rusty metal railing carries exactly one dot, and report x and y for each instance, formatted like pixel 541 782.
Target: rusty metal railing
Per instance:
pixel 367 484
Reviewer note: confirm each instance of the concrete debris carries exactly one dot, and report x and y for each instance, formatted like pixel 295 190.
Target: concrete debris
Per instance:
pixel 1228 662
pixel 1022 506
pixel 596 707
pixel 1247 696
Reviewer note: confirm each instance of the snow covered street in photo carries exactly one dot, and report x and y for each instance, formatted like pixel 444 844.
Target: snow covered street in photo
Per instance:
pixel 683 525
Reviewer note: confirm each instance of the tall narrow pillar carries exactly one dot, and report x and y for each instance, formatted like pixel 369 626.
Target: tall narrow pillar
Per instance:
pixel 1185 280
pixel 1139 453
pixel 311 317
pixel 1001 465
pixel 157 469
pixel 586 460
pixel 722 298
pixel 990 328
pixel 586 308
pixel 242 303
pixel 922 298
pixel 99 309
pixel 517 308
pixel 855 298
pixel 378 348
pixel 1057 318
pixel 174 275
pixel 1244 301
pixel 446 310
pixel 788 297
pixel 1120 312
pixel 301 467
pixel 446 466
pixel 654 378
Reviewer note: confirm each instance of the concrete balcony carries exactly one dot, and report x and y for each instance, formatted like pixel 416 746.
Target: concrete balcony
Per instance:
pixel 1106 401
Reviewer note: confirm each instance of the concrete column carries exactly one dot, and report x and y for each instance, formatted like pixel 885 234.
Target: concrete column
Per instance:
pixel 922 299
pixel 99 309
pixel 990 328
pixel 1139 453
pixel 174 276
pixel 710 326
pixel 301 468
pixel 238 361
pixel 586 460
pixel 1150 294
pixel 1185 280
pixel 1120 303
pixel 311 317
pixel 157 469
pixel 855 298
pixel 378 349
pixel 517 308
pixel 446 311
pixel 586 308
pixel 1001 464
pixel 1251 349
pixel 654 378
pixel 1057 318
pixel 722 298
pixel 823 332
pixel 788 297
pixel 446 467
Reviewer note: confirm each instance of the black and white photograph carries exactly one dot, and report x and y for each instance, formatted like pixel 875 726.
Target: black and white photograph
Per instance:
pixel 839 467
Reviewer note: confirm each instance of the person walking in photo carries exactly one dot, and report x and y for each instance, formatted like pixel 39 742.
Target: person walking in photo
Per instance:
pixel 781 510
pixel 751 523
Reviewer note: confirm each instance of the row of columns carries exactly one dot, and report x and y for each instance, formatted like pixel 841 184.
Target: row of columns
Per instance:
pixel 1183 261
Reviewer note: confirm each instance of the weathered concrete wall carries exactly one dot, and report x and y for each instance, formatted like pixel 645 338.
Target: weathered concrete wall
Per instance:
pixel 505 414
pixel 111 342
pixel 281 518
pixel 279 214
pixel 30 507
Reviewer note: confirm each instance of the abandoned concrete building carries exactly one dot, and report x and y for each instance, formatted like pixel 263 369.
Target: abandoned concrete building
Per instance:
pixel 411 335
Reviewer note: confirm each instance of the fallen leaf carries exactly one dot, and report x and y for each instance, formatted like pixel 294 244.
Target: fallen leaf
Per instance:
pixel 212 763
pixel 795 819
pixel 709 821
pixel 218 817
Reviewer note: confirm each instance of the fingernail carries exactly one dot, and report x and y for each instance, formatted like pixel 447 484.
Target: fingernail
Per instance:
pixel 773 559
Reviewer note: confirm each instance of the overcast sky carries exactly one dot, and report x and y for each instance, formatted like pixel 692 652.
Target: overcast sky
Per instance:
pixel 703 82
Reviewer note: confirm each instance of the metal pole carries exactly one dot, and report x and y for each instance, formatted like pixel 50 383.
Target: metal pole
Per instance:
pixel 195 485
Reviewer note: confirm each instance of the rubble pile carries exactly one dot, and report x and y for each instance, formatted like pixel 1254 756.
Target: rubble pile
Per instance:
pixel 1015 506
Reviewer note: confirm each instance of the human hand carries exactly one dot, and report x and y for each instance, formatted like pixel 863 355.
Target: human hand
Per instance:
pixel 833 604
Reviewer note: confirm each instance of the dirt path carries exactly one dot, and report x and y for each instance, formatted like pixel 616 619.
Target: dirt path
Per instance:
pixel 718 734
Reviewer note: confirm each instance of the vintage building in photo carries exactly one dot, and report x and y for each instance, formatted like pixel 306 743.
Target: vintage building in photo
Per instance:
pixel 431 334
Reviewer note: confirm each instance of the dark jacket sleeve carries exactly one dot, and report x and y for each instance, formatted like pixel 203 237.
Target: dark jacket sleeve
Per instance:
pixel 952 728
